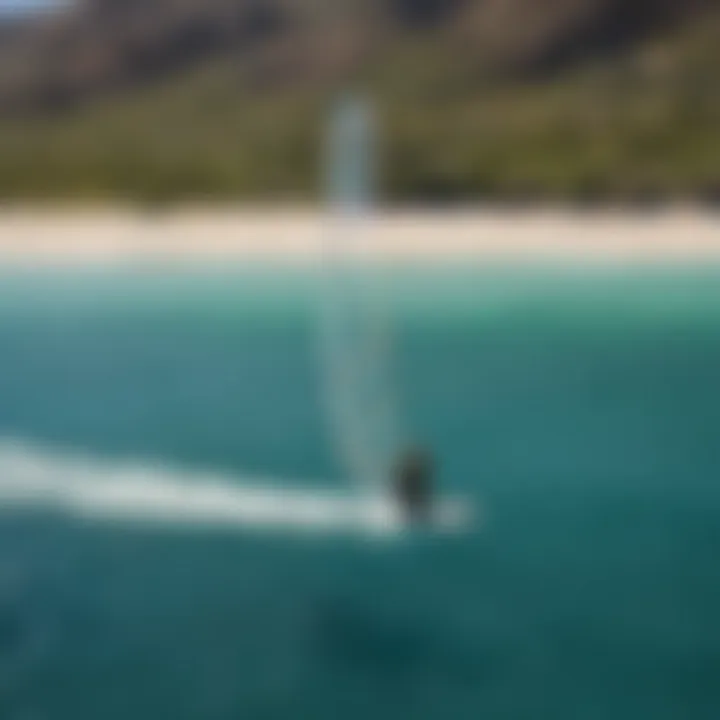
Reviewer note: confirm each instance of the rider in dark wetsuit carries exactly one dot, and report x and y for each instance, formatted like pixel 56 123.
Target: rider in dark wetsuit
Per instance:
pixel 413 484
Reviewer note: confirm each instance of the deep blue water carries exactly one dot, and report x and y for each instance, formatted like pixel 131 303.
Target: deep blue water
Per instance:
pixel 580 408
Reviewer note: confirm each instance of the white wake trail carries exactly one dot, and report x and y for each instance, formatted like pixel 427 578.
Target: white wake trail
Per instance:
pixel 91 489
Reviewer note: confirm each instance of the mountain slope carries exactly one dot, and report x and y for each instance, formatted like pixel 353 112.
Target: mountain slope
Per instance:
pixel 153 99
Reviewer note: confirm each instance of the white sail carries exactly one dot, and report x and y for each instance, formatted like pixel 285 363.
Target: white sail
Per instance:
pixel 355 330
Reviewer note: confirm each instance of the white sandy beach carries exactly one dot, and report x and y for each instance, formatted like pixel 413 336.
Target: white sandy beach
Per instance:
pixel 44 236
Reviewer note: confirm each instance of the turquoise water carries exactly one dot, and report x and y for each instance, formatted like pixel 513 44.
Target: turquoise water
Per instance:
pixel 580 408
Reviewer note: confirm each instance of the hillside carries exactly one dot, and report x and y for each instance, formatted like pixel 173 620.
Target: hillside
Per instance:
pixel 164 99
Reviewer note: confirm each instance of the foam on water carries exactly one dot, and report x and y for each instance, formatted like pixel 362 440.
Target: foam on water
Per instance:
pixel 98 490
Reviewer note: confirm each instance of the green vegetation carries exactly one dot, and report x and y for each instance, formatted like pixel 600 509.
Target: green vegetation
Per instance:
pixel 640 127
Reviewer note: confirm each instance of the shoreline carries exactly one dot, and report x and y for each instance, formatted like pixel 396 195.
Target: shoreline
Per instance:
pixel 292 236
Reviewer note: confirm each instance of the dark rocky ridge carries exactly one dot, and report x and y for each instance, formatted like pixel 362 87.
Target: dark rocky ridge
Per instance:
pixel 105 46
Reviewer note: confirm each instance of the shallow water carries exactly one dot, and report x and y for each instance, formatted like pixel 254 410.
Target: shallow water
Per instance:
pixel 578 407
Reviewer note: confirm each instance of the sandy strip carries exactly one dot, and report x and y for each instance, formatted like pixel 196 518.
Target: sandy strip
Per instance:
pixel 283 236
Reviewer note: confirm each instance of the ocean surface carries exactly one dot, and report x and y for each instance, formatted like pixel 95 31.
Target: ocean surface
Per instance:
pixel 580 408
